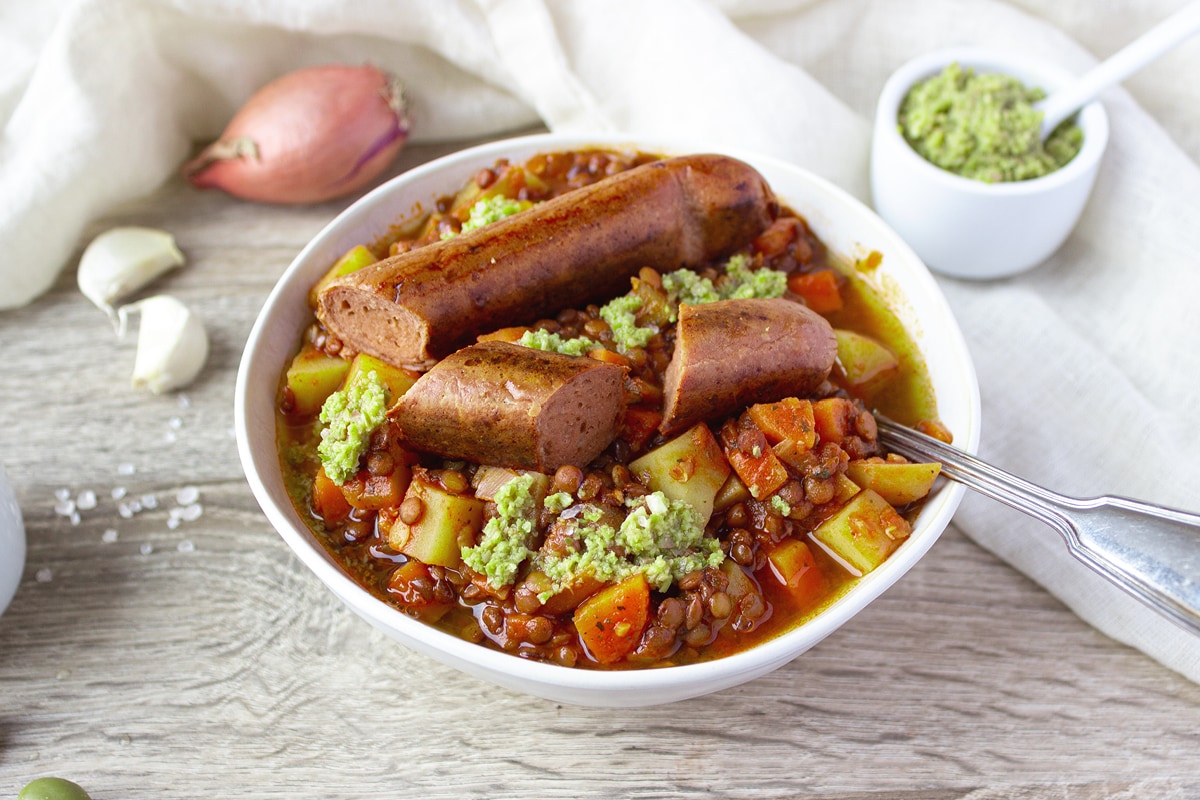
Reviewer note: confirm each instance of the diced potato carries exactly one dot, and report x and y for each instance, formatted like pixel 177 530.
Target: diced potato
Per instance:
pixel 611 621
pixel 396 380
pixel 690 468
pixel 355 259
pixel 792 563
pixel 864 363
pixel 446 523
pixel 733 491
pixel 863 533
pixel 788 419
pixel 740 584
pixel 312 377
pixel 844 489
pixel 897 482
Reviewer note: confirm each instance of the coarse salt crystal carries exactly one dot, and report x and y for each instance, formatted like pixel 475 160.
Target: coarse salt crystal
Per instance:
pixel 75 518
pixel 86 500
pixel 187 495
pixel 149 501
pixel 118 492
pixel 109 536
pixel 126 469
pixel 64 508
pixel 175 422
pixel 170 438
pixel 62 494
pixel 186 546
pixel 44 575
pixel 124 510
pixel 184 401
pixel 146 549
pixel 192 512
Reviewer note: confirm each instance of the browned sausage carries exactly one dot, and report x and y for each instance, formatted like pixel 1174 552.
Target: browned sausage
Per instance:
pixel 733 353
pixel 580 247
pixel 513 406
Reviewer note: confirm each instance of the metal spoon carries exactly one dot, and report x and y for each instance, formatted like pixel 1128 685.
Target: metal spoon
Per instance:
pixel 1150 551
pixel 1141 51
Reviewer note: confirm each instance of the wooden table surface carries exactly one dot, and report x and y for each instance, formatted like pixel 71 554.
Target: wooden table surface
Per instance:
pixel 153 652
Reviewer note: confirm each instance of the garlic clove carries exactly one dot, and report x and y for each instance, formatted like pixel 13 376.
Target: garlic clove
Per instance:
pixel 122 260
pixel 172 343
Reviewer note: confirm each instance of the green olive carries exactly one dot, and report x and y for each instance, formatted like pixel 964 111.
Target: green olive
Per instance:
pixel 53 789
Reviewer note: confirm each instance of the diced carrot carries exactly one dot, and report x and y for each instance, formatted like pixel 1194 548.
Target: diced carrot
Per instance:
pixel 610 622
pixel 790 418
pixel 793 565
pixel 373 492
pixel 638 425
pixel 503 335
pixel 328 500
pixel 819 290
pixel 608 356
pixel 405 584
pixel 778 235
pixel 762 472
pixel 833 418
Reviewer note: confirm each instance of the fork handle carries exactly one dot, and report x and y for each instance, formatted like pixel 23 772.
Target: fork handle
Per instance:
pixel 1150 551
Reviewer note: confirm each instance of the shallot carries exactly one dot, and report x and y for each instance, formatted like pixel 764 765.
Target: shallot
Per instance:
pixel 308 136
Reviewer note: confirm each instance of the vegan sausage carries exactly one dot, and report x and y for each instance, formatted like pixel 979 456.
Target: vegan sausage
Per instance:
pixel 578 248
pixel 733 353
pixel 513 406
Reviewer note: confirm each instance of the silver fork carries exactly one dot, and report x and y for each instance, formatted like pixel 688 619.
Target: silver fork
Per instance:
pixel 1150 551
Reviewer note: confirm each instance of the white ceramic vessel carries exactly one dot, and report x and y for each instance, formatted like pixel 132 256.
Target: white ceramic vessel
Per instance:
pixel 844 224
pixel 12 542
pixel 964 227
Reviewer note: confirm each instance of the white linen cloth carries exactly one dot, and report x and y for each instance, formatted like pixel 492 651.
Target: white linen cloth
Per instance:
pixel 1088 365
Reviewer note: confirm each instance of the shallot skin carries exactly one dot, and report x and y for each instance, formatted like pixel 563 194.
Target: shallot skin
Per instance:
pixel 308 136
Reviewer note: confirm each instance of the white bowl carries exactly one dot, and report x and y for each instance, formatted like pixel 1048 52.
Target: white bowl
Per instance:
pixel 964 227
pixel 843 223
pixel 12 542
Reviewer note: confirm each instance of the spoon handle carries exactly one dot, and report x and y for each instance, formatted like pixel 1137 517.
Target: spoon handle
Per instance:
pixel 1141 51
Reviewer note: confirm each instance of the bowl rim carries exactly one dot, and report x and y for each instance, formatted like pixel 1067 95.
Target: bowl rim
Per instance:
pixel 1092 118
pixel 493 665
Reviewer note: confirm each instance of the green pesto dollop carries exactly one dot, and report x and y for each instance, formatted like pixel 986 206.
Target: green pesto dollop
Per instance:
pixel 489 210
pixel 687 288
pixel 507 536
pixel 350 416
pixel 743 283
pixel 621 316
pixel 984 127
pixel 545 340
pixel 661 538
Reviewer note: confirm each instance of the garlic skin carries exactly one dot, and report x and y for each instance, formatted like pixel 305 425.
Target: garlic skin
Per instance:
pixel 172 343
pixel 308 136
pixel 122 260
